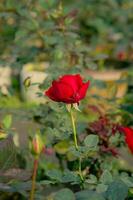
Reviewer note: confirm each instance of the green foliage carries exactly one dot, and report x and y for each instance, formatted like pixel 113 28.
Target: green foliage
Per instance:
pixel 7 121
pixel 117 190
pixel 65 194
pixel 63 177
pixel 88 195
pixel 91 141
pixel 106 177
pixel 55 175
pixel 7 153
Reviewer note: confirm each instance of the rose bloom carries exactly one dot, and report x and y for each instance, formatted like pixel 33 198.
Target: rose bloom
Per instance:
pixel 68 89
pixel 128 137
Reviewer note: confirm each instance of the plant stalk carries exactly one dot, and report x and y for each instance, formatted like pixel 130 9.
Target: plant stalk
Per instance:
pixel 80 170
pixel 34 179
pixel 74 130
pixel 75 142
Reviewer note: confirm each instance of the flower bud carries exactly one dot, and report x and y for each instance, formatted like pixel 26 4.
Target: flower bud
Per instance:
pixel 27 82
pixel 37 145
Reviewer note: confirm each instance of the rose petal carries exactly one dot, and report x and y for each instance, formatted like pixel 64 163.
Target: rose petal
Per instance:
pixel 79 80
pixel 73 81
pixel 68 89
pixel 50 92
pixel 83 90
pixel 59 92
pixel 128 137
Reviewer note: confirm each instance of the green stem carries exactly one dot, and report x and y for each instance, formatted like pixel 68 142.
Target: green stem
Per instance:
pixel 34 179
pixel 74 130
pixel 80 170
pixel 75 142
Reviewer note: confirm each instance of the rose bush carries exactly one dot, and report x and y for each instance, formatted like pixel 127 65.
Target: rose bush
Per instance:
pixel 92 171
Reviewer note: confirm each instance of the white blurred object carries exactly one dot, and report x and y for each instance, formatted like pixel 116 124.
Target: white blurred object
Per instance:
pixel 113 80
pixel 36 73
pixel 5 79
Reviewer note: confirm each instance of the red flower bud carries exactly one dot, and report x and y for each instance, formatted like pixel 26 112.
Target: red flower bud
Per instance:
pixel 37 145
pixel 68 89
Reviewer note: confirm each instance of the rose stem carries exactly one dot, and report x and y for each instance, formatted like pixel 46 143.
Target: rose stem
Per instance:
pixel 80 170
pixel 75 141
pixel 34 178
pixel 74 130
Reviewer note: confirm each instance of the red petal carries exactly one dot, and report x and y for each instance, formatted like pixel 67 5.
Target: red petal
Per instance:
pixel 127 130
pixel 60 92
pixel 83 90
pixel 129 137
pixel 69 89
pixel 50 94
pixel 79 80
pixel 63 91
pixel 73 81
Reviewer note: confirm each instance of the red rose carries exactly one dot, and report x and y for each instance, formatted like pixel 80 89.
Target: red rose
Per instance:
pixel 68 89
pixel 128 137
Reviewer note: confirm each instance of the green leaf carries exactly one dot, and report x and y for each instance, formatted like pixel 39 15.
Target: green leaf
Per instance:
pixel 69 176
pixel 54 174
pixel 92 179
pixel 106 177
pixel 47 182
pixel 59 54
pixel 46 4
pixel 74 152
pixel 7 154
pixel 101 188
pixel 7 121
pixel 114 139
pixel 117 190
pixel 62 147
pixel 89 195
pixel 3 135
pixel 20 186
pixel 127 179
pixel 64 194
pixel 91 141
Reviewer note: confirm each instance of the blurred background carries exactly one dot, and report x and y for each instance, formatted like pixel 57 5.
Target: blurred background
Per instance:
pixel 41 40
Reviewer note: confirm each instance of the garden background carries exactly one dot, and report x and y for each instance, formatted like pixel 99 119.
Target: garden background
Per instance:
pixel 41 40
